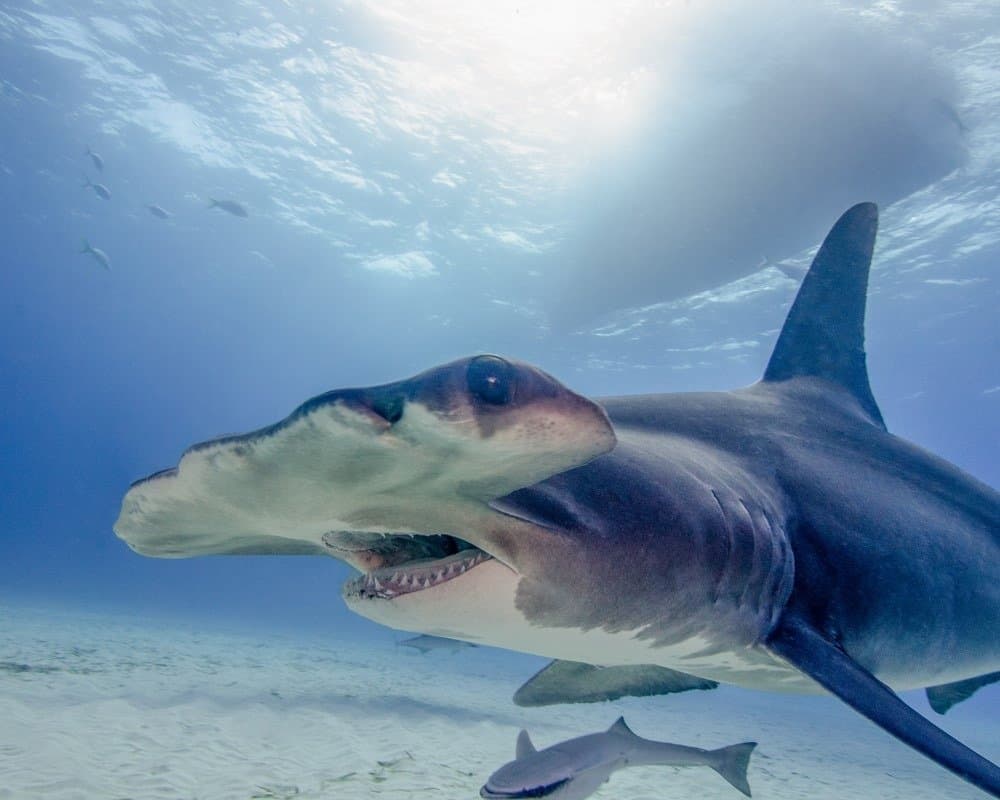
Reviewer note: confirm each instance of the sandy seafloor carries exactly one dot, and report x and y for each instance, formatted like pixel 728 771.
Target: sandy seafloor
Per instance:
pixel 118 706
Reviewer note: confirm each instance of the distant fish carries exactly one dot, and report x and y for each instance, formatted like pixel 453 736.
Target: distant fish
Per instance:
pixel 577 768
pixel 230 206
pixel 98 161
pixel 100 189
pixel 99 255
pixel 426 644
pixel 158 211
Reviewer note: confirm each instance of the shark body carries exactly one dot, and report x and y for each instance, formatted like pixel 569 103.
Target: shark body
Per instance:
pixel 576 768
pixel 776 536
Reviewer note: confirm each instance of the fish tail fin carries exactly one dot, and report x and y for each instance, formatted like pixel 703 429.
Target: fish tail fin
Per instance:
pixel 85 247
pixel 732 763
pixel 212 202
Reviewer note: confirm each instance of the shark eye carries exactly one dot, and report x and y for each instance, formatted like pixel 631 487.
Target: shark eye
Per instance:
pixel 491 380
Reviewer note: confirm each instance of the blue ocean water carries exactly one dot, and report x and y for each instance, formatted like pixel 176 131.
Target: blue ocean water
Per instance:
pixel 624 195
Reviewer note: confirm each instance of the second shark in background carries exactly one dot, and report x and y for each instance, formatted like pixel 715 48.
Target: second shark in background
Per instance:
pixel 576 768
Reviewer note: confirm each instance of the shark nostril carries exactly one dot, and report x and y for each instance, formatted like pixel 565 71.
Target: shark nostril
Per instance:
pixel 389 408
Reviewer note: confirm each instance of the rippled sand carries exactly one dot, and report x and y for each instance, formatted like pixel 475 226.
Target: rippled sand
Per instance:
pixel 108 706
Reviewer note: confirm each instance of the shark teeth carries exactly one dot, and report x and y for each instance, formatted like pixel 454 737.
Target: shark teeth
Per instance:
pixel 418 575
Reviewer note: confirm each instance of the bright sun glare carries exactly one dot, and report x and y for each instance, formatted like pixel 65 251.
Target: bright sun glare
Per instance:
pixel 545 69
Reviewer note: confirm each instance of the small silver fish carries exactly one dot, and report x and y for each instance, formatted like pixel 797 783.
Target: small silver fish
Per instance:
pixel 158 211
pixel 230 206
pixel 576 768
pixel 98 161
pixel 100 189
pixel 97 253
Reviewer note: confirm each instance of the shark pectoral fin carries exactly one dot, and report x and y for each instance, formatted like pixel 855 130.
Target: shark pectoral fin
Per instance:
pixel 947 695
pixel 572 682
pixel 826 663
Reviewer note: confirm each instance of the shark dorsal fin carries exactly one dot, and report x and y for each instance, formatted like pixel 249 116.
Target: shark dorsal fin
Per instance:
pixel 621 727
pixel 824 333
pixel 524 746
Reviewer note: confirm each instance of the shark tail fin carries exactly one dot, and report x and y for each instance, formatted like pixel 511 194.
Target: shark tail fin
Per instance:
pixel 212 202
pixel 85 247
pixel 732 764
pixel 524 746
pixel 824 333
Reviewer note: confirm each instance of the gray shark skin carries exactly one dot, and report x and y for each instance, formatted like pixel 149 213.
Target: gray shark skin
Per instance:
pixel 774 537
pixel 576 768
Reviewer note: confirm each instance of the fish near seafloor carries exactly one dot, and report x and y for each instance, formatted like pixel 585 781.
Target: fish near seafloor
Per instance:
pixel 425 644
pixel 774 537
pixel 229 206
pixel 576 768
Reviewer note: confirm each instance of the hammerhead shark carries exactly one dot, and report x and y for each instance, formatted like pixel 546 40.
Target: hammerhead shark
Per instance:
pixel 776 536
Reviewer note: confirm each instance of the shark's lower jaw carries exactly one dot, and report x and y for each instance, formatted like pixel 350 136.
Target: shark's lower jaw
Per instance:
pixel 408 577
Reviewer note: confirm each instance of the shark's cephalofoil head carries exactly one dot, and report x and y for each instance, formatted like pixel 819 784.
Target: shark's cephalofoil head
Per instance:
pixel 393 479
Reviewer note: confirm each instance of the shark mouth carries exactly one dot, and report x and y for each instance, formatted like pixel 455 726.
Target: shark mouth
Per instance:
pixel 399 564
pixel 537 791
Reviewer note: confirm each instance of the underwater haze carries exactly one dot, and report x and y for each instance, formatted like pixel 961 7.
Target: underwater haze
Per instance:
pixel 211 212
